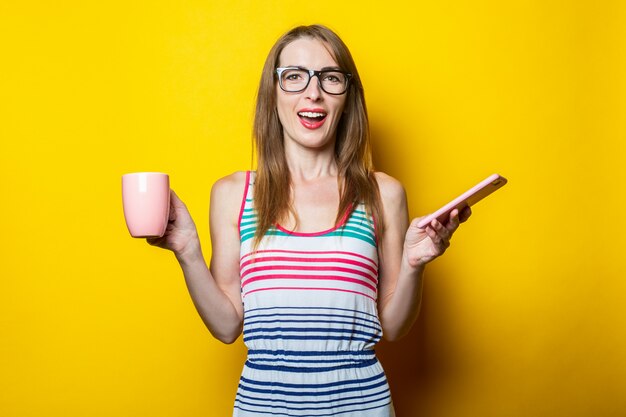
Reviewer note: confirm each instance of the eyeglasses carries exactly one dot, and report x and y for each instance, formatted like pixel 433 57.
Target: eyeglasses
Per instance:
pixel 295 80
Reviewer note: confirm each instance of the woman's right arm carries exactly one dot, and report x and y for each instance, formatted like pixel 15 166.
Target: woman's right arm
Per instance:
pixel 216 292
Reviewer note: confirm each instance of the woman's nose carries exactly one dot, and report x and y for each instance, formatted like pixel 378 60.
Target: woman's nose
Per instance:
pixel 314 90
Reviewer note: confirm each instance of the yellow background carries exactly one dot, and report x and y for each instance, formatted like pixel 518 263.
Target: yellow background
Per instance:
pixel 524 316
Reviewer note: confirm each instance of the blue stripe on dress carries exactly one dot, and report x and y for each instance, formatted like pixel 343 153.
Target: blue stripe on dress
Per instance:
pixel 310 369
pixel 354 412
pixel 316 393
pixel 341 383
pixel 333 414
pixel 312 360
pixel 317 407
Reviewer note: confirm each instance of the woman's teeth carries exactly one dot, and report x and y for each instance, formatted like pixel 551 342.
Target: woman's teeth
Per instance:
pixel 311 115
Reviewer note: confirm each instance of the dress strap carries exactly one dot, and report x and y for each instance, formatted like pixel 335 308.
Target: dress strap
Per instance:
pixel 244 197
pixel 247 214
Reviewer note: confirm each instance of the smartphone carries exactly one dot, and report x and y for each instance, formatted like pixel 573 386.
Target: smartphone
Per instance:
pixel 468 198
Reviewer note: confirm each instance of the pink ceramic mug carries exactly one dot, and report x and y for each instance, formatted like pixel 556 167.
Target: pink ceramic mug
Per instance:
pixel 146 198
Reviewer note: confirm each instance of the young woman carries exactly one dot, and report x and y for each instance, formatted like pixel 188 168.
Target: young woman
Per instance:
pixel 313 255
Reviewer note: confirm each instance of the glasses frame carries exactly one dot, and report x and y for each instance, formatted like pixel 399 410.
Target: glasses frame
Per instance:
pixel 312 73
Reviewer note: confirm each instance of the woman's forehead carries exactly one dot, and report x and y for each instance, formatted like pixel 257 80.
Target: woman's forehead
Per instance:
pixel 307 52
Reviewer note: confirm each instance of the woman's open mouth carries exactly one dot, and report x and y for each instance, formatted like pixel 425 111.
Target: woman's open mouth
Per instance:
pixel 312 119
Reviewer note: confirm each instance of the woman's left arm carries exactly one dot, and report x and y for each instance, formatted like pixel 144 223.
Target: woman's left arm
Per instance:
pixel 405 251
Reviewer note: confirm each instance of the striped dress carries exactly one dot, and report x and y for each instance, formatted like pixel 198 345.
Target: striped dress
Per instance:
pixel 310 321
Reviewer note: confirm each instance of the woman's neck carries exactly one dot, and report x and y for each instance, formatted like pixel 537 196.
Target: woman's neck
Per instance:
pixel 311 164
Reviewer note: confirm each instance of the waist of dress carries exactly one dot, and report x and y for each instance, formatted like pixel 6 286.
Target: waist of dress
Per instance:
pixel 310 361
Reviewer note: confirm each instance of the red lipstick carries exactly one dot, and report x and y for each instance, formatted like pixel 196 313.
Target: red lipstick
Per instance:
pixel 312 118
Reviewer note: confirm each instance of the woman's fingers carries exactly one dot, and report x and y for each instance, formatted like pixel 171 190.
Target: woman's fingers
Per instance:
pixel 465 214
pixel 439 234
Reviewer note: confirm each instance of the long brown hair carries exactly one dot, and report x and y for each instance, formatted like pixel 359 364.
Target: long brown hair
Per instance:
pixel 272 197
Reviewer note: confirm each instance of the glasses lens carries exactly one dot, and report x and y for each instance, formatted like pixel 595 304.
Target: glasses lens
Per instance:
pixel 294 79
pixel 333 82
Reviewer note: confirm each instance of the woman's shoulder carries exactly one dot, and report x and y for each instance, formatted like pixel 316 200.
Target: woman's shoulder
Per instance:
pixel 394 202
pixel 232 182
pixel 390 188
pixel 230 188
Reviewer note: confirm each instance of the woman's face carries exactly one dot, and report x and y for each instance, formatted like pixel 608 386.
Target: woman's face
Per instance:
pixel 310 117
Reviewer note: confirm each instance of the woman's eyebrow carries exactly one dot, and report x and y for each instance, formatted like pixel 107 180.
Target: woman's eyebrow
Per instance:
pixel 333 68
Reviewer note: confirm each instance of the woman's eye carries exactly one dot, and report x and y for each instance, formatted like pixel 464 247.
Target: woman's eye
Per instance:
pixel 332 78
pixel 293 76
